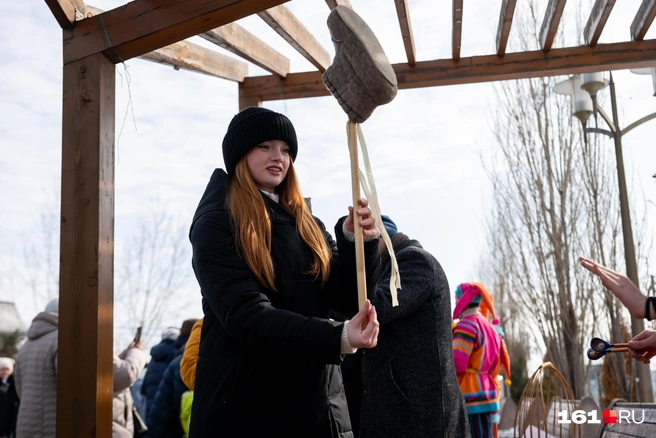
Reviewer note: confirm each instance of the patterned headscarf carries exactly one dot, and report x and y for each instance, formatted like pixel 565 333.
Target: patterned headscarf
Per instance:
pixel 474 293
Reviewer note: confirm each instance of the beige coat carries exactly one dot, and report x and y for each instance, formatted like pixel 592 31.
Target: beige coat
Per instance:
pixel 127 367
pixel 35 376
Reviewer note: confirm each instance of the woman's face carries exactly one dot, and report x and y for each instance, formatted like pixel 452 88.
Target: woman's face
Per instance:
pixel 268 164
pixel 5 373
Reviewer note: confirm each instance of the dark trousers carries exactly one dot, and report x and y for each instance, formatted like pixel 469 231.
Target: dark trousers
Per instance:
pixel 482 426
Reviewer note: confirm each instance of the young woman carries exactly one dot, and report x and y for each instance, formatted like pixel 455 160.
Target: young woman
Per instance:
pixel 269 274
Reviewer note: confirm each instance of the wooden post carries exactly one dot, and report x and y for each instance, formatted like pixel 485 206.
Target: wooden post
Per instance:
pixel 357 228
pixel 245 102
pixel 84 377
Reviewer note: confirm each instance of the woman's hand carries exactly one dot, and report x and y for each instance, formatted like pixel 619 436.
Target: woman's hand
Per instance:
pixel 363 338
pixel 643 346
pixel 367 220
pixel 620 286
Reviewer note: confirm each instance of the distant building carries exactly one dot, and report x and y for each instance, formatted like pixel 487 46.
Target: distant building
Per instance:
pixel 12 329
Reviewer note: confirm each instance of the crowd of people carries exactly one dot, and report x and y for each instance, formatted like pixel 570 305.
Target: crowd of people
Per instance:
pixel 28 384
pixel 283 348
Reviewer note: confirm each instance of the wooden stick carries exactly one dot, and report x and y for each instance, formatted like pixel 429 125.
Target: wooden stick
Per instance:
pixel 621 345
pixel 617 350
pixel 357 228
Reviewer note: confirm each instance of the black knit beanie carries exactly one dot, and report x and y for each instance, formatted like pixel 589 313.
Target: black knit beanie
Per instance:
pixel 252 126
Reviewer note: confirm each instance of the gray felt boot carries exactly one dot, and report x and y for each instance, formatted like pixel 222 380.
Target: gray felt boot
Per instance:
pixel 360 77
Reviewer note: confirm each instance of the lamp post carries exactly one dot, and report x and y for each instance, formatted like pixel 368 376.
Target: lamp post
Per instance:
pixel 647 71
pixel 583 90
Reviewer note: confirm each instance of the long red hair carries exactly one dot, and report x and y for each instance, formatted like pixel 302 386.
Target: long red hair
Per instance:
pixel 253 225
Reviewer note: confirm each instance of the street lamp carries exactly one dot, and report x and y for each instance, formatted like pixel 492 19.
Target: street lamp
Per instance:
pixel 584 104
pixel 647 71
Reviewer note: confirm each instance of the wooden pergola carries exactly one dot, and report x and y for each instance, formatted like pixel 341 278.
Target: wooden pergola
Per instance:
pixel 95 41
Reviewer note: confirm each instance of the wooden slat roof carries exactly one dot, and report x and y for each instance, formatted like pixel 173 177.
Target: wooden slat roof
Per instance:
pixel 505 23
pixel 597 20
pixel 158 30
pixel 142 27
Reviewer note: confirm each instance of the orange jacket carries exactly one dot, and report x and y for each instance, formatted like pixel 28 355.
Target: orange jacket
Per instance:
pixel 190 356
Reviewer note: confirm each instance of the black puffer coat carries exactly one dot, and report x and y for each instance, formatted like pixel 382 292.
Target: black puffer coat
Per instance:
pixel 8 407
pixel 161 356
pixel 268 361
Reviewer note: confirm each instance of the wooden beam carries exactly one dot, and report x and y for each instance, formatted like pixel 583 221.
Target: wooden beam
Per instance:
pixel 292 30
pixel 643 20
pixel 142 26
pixel 86 274
pixel 190 56
pixel 241 42
pixel 332 4
pixel 91 11
pixel 66 12
pixel 245 102
pixel 597 20
pixel 550 23
pixel 456 35
pixel 585 59
pixel 403 12
pixel 505 22
pixel 294 86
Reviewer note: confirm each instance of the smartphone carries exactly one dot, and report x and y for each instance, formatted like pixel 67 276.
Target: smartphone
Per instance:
pixel 137 337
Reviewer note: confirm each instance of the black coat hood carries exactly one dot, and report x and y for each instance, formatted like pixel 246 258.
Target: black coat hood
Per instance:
pixel 214 197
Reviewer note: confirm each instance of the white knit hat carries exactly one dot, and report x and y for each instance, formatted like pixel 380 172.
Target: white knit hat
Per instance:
pixel 7 362
pixel 171 333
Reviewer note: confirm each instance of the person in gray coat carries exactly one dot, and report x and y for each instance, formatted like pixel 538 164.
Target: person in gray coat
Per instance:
pixel 35 376
pixel 410 388
pixel 127 367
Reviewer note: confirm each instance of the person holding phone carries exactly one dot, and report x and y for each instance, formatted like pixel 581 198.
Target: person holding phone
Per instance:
pixel 127 367
pixel 269 273
pixel 137 336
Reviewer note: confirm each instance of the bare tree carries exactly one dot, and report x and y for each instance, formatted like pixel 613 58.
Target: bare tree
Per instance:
pixel 539 215
pixel 153 269
pixel 40 271
pixel 555 198
pixel 610 384
pixel 597 168
pixel 497 271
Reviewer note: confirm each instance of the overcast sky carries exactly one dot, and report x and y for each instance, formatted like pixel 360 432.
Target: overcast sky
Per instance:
pixel 427 147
